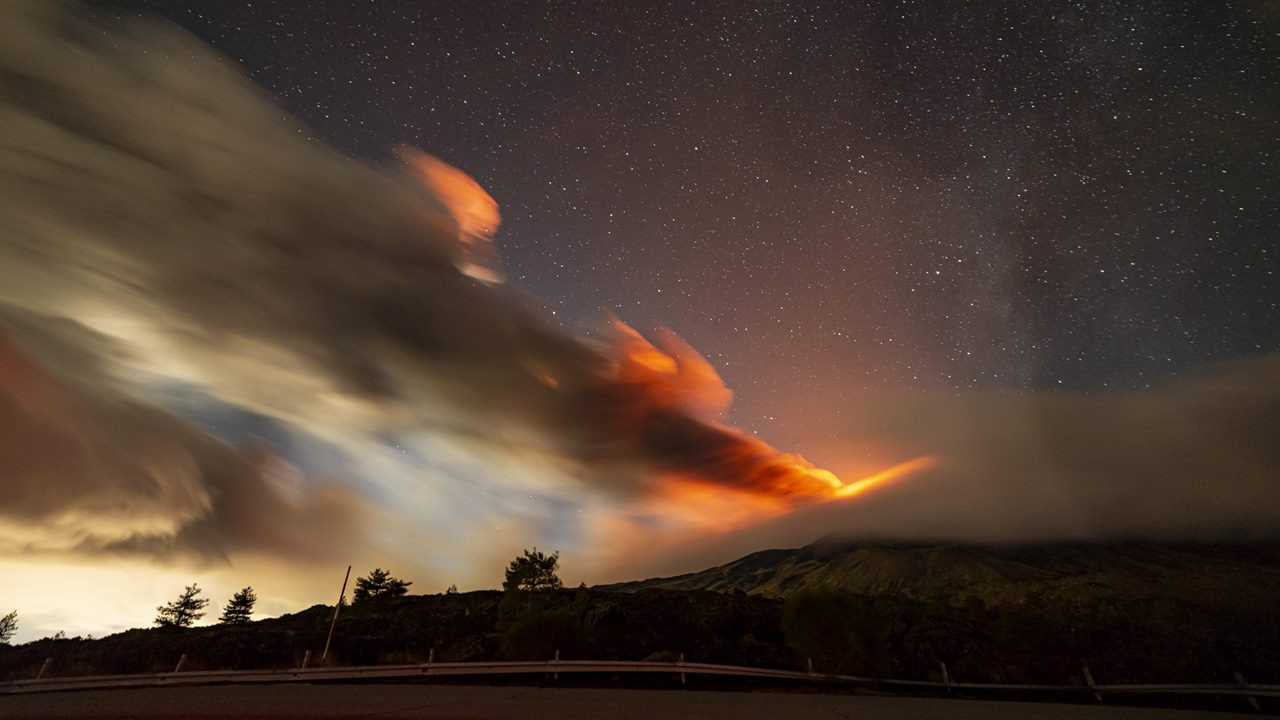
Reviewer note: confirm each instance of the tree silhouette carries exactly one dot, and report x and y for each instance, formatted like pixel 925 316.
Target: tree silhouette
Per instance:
pixel 533 571
pixel 184 611
pixel 239 608
pixel 379 583
pixel 8 626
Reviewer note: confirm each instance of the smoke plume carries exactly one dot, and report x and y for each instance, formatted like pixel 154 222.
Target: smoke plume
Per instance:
pixel 1194 459
pixel 162 220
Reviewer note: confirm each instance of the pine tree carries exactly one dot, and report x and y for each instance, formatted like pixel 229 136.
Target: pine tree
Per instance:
pixel 8 626
pixel 379 583
pixel 239 608
pixel 184 611
pixel 533 571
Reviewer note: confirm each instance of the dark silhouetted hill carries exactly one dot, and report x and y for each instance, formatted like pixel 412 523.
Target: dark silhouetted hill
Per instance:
pixel 1137 612
pixel 1226 576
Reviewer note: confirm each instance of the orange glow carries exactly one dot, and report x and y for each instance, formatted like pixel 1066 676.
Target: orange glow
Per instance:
pixel 671 376
pixel 473 209
pixel 546 379
pixel 664 398
pixel 888 475
pixel 707 506
pixel 704 506
pixel 26 384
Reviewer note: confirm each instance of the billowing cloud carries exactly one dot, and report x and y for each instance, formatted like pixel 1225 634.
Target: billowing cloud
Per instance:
pixel 88 469
pixel 164 208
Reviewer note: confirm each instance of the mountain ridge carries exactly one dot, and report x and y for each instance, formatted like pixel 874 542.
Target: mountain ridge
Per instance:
pixel 1202 573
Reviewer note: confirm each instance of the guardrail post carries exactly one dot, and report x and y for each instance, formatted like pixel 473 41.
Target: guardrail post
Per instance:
pixel 1253 701
pixel 306 660
pixel 946 676
pixel 181 661
pixel 681 662
pixel 1088 679
pixel 49 661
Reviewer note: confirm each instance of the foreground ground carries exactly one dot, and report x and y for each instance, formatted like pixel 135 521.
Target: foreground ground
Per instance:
pixel 442 702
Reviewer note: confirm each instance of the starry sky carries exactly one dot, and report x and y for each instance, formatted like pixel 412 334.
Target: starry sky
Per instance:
pixel 1024 254
pixel 936 195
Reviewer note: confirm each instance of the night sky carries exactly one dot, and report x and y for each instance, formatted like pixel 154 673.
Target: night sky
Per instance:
pixel 1005 196
pixel 973 273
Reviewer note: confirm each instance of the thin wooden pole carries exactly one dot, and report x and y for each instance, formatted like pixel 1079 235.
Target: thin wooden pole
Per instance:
pixel 1088 678
pixel 325 655
pixel 44 667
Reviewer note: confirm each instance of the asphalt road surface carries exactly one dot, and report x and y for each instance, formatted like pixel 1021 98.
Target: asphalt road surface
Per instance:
pixel 454 702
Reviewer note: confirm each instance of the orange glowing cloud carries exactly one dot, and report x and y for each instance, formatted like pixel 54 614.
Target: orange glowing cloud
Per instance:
pixel 472 208
pixel 664 397
pixel 704 506
pixel 673 376
pixel 888 475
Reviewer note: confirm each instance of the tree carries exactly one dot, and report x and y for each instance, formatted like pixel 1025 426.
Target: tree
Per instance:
pixel 239 608
pixel 184 611
pixel 452 590
pixel 8 626
pixel 379 583
pixel 533 571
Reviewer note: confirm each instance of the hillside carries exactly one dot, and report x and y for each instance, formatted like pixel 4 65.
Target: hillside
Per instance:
pixel 459 627
pixel 1235 576
pixel 1137 612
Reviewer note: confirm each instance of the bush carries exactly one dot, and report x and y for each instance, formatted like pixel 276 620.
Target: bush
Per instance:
pixel 538 634
pixel 835 630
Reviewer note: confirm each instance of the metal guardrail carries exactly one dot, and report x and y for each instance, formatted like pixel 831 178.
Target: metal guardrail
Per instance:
pixel 442 669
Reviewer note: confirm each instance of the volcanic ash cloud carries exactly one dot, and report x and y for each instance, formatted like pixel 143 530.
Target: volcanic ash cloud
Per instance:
pixel 163 221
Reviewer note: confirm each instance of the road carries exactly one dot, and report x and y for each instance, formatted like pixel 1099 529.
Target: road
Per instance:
pixel 456 702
